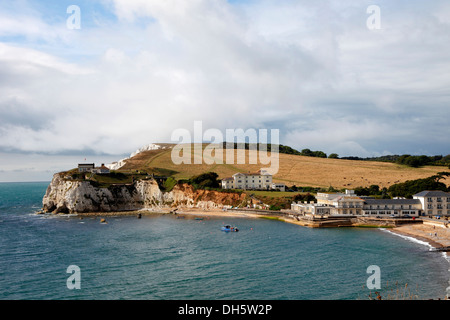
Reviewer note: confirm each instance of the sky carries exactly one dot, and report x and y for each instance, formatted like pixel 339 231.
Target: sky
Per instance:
pixel 334 76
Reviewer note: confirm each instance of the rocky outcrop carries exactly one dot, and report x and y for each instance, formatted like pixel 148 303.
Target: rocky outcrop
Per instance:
pixel 65 195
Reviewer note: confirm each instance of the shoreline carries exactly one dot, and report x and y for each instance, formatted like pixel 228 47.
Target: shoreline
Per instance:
pixel 436 237
pixel 186 211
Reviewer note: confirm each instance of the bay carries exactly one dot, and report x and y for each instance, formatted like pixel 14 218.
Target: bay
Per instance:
pixel 160 257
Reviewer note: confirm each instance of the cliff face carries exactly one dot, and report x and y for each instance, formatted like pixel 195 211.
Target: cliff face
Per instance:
pixel 72 196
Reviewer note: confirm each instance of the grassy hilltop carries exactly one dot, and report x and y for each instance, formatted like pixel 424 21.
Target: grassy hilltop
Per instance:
pixel 293 169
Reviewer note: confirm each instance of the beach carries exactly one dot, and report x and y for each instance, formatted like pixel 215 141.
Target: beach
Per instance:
pixel 180 211
pixel 437 235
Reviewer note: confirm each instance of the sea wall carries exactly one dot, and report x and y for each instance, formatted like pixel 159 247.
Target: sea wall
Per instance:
pixel 65 195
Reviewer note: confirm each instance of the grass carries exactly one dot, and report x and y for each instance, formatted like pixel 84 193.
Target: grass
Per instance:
pixel 270 218
pixel 271 194
pixel 293 170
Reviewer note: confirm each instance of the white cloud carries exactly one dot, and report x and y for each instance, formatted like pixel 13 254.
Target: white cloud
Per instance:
pixel 312 69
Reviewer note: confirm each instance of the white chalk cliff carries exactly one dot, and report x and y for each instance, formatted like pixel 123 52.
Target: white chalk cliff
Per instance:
pixel 65 195
pixel 119 164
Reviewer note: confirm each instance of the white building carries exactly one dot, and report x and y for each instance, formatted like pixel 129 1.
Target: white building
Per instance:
pixel 101 170
pixel 350 204
pixel 278 186
pixel 396 207
pixel 261 180
pixel 434 203
pixel 312 208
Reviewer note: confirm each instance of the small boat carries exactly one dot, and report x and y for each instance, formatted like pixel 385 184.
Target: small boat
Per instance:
pixel 228 228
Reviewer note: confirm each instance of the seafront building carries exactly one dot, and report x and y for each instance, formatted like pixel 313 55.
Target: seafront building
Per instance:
pixel 429 203
pixel 260 180
pixel 434 203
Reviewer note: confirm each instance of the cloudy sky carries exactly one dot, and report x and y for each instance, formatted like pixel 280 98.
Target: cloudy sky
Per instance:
pixel 329 75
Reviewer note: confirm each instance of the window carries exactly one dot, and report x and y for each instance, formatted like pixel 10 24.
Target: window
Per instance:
pixel 439 199
pixel 439 206
pixel 429 199
pixel 430 206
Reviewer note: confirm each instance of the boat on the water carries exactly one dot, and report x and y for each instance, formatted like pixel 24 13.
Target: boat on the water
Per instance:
pixel 228 228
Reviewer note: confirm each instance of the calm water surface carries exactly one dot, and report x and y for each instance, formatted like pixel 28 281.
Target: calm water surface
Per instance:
pixel 162 257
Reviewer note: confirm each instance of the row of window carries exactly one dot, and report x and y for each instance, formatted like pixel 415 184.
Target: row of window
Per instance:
pixel 391 207
pixel 439 212
pixel 438 206
pixel 392 212
pixel 438 199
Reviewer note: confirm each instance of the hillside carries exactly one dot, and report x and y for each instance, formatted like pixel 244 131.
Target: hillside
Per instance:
pixel 293 170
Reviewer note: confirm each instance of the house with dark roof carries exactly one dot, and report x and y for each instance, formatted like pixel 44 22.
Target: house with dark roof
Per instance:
pixel 101 170
pixel 90 167
pixel 434 203
pixel 431 203
pixel 396 207
pixel 85 167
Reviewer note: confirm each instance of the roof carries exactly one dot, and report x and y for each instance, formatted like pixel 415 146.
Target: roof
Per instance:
pixel 258 173
pixel 86 165
pixel 344 197
pixel 434 193
pixel 391 201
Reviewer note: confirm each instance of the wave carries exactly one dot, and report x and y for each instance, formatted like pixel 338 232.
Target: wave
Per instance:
pixel 410 238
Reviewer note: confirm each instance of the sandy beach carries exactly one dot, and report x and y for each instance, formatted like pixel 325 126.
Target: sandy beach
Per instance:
pixel 437 236
pixel 180 211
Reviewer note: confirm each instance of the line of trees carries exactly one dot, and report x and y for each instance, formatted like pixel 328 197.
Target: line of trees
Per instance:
pixel 283 149
pixel 409 160
pixel 408 188
pixel 406 159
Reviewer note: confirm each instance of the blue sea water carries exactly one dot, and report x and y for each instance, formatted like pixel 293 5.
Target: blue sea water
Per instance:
pixel 162 257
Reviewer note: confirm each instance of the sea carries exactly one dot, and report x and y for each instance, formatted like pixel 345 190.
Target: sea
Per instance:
pixel 165 257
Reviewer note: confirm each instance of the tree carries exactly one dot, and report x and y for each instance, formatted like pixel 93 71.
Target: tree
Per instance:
pixel 208 179
pixel 333 156
pixel 307 152
pixel 409 188
pixel 304 197
pixel 319 154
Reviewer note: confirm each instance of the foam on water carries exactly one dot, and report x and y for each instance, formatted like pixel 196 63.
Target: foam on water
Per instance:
pixel 412 239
